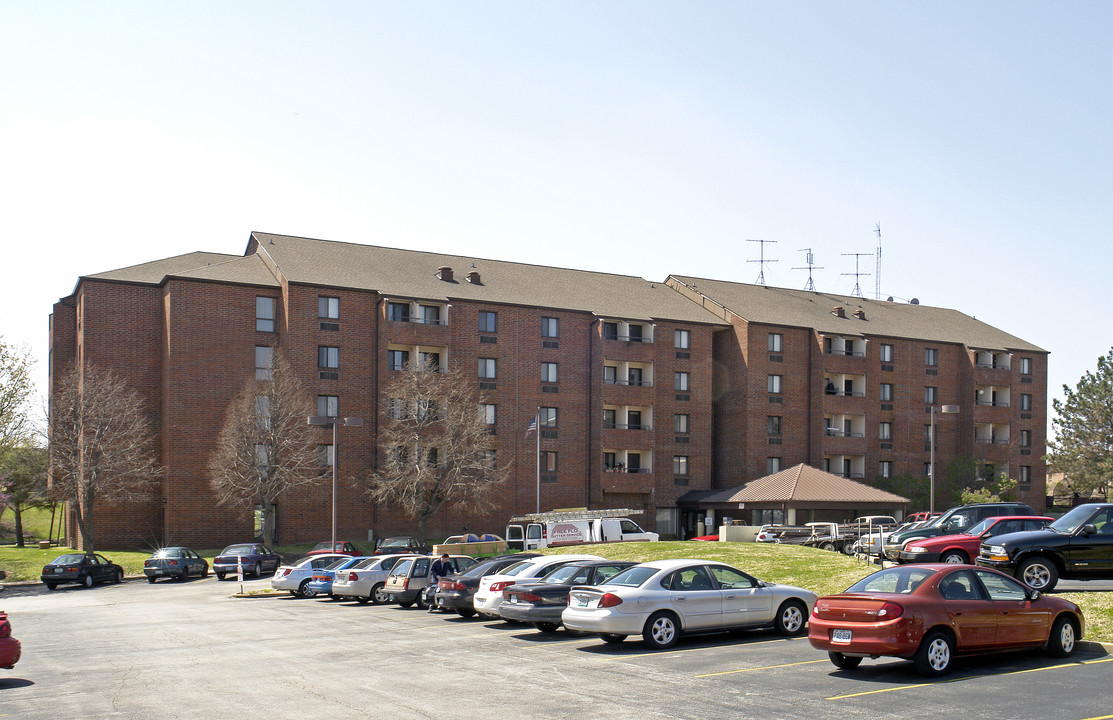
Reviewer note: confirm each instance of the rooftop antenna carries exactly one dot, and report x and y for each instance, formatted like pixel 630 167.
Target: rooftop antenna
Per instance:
pixel 877 275
pixel 857 273
pixel 810 260
pixel 761 274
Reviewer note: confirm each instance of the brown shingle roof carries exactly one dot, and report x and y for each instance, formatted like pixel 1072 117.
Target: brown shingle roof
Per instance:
pixel 804 484
pixel 197 265
pixel 801 308
pixel 413 274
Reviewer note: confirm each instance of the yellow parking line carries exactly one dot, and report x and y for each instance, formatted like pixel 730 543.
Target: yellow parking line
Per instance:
pixel 764 667
pixel 1100 717
pixel 973 677
pixel 661 653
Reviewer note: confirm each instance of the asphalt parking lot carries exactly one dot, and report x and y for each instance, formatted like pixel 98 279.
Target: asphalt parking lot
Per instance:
pixel 178 650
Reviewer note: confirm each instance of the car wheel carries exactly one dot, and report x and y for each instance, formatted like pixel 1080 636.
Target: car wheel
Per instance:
pixel 378 596
pixel 848 549
pixel 466 612
pixel 258 570
pixel 1063 637
pixel 406 603
pixel 1038 573
pixel 119 577
pixel 362 600
pixel 305 591
pixel 51 586
pixel 935 655
pixel 844 662
pixel 829 546
pixel 220 576
pixel 547 627
pixel 662 630
pixel 88 581
pixel 612 638
pixel 151 579
pixel 954 557
pixel 791 618
pixel 205 570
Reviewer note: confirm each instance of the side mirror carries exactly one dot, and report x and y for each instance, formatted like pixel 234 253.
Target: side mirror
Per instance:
pixel 1034 595
pixel 1089 529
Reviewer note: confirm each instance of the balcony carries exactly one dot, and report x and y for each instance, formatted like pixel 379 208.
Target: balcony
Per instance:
pixel 641 481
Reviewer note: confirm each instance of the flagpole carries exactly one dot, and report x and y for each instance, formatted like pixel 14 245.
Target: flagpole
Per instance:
pixel 537 419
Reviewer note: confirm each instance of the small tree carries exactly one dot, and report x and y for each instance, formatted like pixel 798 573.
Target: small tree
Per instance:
pixel 16 387
pixel 101 445
pixel 999 489
pixel 1083 444
pixel 435 446
pixel 265 446
pixel 23 480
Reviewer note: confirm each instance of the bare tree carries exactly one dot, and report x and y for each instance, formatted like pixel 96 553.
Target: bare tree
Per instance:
pixel 101 445
pixel 435 446
pixel 265 446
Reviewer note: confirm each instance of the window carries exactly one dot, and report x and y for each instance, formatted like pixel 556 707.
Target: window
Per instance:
pixel 400 455
pixel 635 333
pixel 548 417
pixel 848 347
pixel 1025 402
pixel 634 377
pixel 430 361
pixel 886 392
pixel 610 374
pixel 773 425
pixel 398 312
pixel 927 469
pixel 680 381
pixel 609 418
pixel 931 357
pixel 328 308
pixel 426 410
pixel 885 468
pixel 431 457
pixel 773 384
pixel 262 412
pixel 634 420
pixel 487 368
pixel 609 461
pixel 325 455
pixel 885 431
pixel 772 465
pixel 548 372
pixel 328 357
pixel 265 313
pixel 1026 438
pixel 680 424
pixel 395 408
pixel 488 321
pixel 430 314
pixel 930 395
pixel 264 362
pixel 776 342
pixel 549 327
pixel 927 433
pixel 679 464
pixel 1025 475
pixel 397 359
pixel 328 405
pixel 682 339
pixel 1025 366
pixel 886 354
pixel 548 461
pixel 488 414
pixel 610 331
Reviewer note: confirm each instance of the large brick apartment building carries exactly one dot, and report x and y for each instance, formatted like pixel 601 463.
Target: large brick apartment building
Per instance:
pixel 647 390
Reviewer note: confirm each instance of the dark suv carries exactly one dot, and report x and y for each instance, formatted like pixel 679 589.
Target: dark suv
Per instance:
pixel 1077 546
pixel 956 520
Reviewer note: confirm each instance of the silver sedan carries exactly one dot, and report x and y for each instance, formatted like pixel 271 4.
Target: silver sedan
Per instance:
pixel 662 599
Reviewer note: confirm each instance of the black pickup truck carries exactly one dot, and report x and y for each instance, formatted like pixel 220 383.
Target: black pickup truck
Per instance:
pixel 1077 546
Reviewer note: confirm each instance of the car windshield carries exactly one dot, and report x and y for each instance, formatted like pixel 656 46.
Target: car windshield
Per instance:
pixel 562 573
pixel 167 553
pixel 395 542
pixel 238 550
pixel 1073 520
pixel 632 577
pixel 72 559
pixel 981 527
pixel 902 580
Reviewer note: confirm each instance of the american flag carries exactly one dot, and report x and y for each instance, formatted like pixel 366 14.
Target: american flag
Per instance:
pixel 532 426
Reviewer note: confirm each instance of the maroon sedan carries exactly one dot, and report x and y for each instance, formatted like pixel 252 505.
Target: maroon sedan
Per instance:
pixel 343 547
pixel 931 613
pixel 9 646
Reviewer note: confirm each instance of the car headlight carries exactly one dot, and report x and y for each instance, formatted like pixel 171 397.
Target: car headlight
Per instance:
pixel 917 549
pixel 996 550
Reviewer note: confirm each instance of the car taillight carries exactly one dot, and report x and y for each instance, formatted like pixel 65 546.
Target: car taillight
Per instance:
pixel 406 584
pixel 352 577
pixel 285 572
pixel 522 597
pixel 501 585
pixel 173 562
pixel 609 600
pixel 451 585
pixel 890 611
pixel 5 627
pixel 146 563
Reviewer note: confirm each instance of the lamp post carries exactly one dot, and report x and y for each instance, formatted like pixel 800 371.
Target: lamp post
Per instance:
pixel 334 421
pixel 946 410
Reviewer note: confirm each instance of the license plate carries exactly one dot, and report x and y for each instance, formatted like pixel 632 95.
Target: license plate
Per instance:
pixel 581 602
pixel 840 636
pixel 58 570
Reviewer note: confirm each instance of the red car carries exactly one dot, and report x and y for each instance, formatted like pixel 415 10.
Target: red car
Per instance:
pixel 963 547
pixel 931 613
pixel 343 547
pixel 9 647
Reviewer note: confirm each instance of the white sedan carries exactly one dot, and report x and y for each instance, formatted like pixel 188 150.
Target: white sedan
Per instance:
pixel 364 581
pixel 662 599
pixel 296 577
pixel 489 595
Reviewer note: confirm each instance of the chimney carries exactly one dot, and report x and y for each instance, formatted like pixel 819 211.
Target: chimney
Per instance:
pixel 838 311
pixel 860 314
pixel 445 273
pixel 473 278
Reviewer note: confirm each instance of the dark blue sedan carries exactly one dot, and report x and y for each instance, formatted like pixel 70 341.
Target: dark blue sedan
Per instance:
pixel 321 583
pixel 255 558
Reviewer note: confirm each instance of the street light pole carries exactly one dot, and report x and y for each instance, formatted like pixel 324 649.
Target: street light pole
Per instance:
pixel 946 410
pixel 334 421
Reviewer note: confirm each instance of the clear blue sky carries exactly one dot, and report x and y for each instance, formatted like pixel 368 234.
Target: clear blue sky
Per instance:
pixel 644 138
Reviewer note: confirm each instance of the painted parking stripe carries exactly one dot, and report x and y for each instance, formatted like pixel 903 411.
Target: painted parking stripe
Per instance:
pixel 764 667
pixel 662 653
pixel 972 677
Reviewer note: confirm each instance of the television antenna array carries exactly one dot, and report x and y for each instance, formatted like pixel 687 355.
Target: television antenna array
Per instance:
pixel 857 273
pixel 761 273
pixel 810 260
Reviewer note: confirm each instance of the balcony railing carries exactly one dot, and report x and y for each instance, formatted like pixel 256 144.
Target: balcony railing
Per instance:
pixel 835 432
pixel 630 383
pixel 991 366
pixel 992 403
pixel 628 426
pixel 845 393
pixel 852 353
pixel 991 441
pixel 620 469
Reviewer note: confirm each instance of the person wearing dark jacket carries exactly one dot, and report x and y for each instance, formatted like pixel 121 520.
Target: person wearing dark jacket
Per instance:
pixel 441 567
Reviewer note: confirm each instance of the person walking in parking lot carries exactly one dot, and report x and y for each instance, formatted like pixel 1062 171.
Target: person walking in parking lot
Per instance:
pixel 442 567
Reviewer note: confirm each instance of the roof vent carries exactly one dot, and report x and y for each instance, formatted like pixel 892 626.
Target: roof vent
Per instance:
pixel 445 273
pixel 914 301
pixel 860 314
pixel 838 311
pixel 473 278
